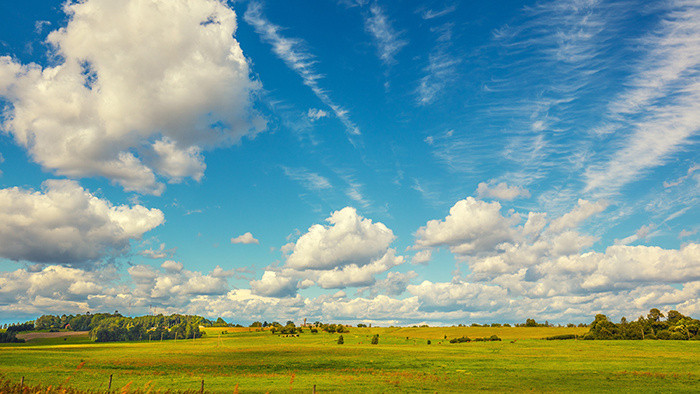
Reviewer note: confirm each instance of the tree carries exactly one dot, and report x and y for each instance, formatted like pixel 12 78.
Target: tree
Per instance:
pixel 655 315
pixel 674 316
pixel 341 340
pixel 602 328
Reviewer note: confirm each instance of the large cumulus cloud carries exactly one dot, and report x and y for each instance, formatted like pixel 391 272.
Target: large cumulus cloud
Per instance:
pixel 64 223
pixel 140 89
pixel 348 252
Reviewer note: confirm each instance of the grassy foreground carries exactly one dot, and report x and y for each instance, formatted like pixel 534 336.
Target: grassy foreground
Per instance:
pixel 249 361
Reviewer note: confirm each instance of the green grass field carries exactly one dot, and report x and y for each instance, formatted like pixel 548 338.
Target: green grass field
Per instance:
pixel 262 362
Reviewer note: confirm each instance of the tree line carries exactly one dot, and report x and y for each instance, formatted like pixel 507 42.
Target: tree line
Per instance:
pixel 676 326
pixel 113 327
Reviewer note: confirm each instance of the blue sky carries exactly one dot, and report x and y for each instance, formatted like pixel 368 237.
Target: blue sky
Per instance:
pixel 356 161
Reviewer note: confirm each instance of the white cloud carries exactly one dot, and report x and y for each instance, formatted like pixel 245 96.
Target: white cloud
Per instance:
pixel 471 226
pixel 349 252
pixel 687 233
pixel 65 223
pixel 661 105
pixel 441 68
pixel 581 212
pixel 160 253
pixel 622 281
pixel 355 275
pixel 174 285
pixel 386 38
pixel 422 257
pixel 178 163
pixel 293 52
pixel 495 245
pixel 501 191
pixel 668 184
pixel 641 233
pixel 350 239
pixel 627 266
pixel 460 296
pixel 315 114
pixel 132 100
pixel 246 238
pixel 431 14
pixel 172 266
pixel 273 285
pixel 395 283
pixel 310 180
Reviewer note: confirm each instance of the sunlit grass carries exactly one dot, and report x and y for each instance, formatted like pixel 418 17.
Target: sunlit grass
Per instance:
pixel 262 362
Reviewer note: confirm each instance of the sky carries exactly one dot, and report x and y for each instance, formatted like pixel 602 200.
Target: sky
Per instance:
pixel 394 163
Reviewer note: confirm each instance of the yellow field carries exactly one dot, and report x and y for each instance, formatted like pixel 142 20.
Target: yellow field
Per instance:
pixel 403 361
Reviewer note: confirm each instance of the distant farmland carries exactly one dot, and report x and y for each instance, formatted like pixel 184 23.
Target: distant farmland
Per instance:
pixel 243 359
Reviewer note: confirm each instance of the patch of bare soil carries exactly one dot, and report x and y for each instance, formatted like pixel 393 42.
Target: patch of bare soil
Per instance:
pixel 40 335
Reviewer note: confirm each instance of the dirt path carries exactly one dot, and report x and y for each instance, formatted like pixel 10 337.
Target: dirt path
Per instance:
pixel 40 335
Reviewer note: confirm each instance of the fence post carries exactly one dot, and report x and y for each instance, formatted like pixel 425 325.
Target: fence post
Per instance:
pixel 314 392
pixel 22 384
pixel 109 387
pixel 202 389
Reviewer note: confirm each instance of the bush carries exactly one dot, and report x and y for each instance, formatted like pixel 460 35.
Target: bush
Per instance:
pixel 561 337
pixel 341 340
pixel 678 336
pixel 9 337
pixel 460 340
pixel 375 339
pixel 663 334
pixel 28 326
pixel 428 341
pixel 494 338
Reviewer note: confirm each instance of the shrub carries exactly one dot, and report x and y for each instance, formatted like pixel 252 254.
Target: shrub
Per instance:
pixel 678 336
pixel 341 340
pixel 375 339
pixel 494 338
pixel 428 341
pixel 28 326
pixel 460 340
pixel 561 337
pixel 663 334
pixel 9 337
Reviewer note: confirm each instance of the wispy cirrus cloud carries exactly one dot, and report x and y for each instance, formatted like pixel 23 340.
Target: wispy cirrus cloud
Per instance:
pixel 432 14
pixel 387 39
pixel 296 56
pixel 441 68
pixel 308 179
pixel 659 112
pixel 541 79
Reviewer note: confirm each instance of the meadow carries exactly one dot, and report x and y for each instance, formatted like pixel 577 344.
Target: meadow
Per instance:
pixel 246 360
